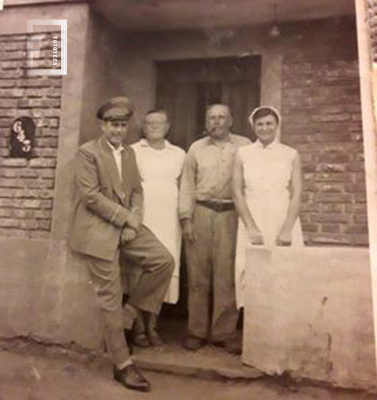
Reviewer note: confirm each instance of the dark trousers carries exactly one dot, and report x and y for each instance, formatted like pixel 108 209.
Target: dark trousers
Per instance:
pixel 212 305
pixel 156 264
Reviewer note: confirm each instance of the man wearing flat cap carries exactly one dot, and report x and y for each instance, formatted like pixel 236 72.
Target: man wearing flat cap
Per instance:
pixel 107 223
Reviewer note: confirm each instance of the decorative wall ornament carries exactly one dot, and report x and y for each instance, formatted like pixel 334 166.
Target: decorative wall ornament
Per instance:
pixel 22 138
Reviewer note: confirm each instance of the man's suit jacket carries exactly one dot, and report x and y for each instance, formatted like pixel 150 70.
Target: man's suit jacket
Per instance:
pixel 102 202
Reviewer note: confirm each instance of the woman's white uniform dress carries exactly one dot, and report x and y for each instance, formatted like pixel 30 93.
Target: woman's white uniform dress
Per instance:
pixel 160 171
pixel 266 174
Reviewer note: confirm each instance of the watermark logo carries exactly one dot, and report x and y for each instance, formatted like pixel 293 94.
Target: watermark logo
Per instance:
pixel 59 47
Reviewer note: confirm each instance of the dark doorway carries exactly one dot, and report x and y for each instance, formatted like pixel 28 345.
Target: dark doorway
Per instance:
pixel 186 87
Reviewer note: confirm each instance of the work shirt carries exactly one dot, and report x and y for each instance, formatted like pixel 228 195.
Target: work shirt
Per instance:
pixel 207 172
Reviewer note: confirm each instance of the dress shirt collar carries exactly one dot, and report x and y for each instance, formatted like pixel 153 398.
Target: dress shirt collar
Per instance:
pixel 268 147
pixel 114 149
pixel 228 139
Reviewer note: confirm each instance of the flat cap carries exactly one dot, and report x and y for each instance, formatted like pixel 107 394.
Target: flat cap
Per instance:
pixel 116 108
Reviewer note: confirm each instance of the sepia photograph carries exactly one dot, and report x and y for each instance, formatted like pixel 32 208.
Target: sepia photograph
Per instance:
pixel 188 199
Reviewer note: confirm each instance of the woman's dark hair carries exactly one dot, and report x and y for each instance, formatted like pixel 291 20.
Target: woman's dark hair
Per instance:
pixel 264 112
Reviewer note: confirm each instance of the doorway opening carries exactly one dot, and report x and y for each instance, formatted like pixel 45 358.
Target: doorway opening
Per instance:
pixel 185 88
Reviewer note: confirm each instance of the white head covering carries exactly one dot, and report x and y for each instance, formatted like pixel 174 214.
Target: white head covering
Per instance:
pixel 274 110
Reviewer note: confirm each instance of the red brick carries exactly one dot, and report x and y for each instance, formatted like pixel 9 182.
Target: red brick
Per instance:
pixel 310 227
pixel 9 223
pixel 54 92
pixel 331 238
pixel 47 142
pixel 332 167
pixel 8 173
pixel 360 240
pixel 45 152
pixel 43 214
pixel 356 208
pixel 360 219
pixel 28 203
pixel 50 132
pixel 7 83
pixel 334 158
pixel 11 232
pixel 334 177
pixel 332 188
pixel 333 197
pixel 327 217
pixel 330 228
pixel 331 118
pixel 8 113
pixel 355 167
pixel 333 208
pixel 27 173
pixel 12 55
pixel 28 224
pixel 34 82
pixel 356 229
pixel 11 93
pixel 46 194
pixel 355 187
pixel 39 234
pixel 15 74
pixel 6 212
pixel 46 204
pixel 45 225
pixel 13 162
pixel 360 197
pixel 54 123
pixel 8 103
pixel 42 163
pixel 7 203
pixel 23 213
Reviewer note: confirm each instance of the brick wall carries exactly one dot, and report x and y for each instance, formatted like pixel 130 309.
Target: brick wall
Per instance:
pixel 372 19
pixel 322 120
pixel 26 187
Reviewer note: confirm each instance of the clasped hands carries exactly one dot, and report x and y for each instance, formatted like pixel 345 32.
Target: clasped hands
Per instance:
pixel 256 238
pixel 130 230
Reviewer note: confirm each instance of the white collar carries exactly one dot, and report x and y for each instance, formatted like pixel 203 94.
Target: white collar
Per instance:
pixel 144 143
pixel 273 144
pixel 114 149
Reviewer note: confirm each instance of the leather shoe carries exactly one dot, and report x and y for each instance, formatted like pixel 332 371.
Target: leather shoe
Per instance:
pixel 131 378
pixel 154 338
pixel 231 345
pixel 140 340
pixel 193 343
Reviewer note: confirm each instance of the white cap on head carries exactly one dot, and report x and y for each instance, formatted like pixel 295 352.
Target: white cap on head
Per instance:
pixel 273 109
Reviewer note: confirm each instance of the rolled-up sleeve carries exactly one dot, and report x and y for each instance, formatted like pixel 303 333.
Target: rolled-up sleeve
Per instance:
pixel 187 193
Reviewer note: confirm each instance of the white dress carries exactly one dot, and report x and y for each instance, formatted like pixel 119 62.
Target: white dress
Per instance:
pixel 160 171
pixel 266 175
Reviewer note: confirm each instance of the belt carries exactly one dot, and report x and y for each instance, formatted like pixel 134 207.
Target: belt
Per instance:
pixel 217 205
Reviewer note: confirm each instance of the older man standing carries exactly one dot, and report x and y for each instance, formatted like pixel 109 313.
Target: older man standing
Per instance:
pixel 107 218
pixel 209 222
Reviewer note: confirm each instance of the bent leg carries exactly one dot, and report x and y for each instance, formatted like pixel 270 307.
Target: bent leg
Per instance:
pixel 156 266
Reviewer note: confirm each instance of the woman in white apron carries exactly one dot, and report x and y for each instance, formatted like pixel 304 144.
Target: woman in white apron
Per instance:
pixel 267 192
pixel 160 165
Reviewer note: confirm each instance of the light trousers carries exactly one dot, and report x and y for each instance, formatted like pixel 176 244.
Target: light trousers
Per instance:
pixel 156 265
pixel 211 289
